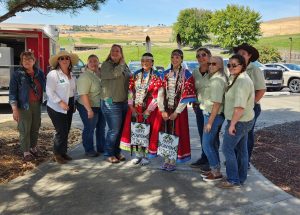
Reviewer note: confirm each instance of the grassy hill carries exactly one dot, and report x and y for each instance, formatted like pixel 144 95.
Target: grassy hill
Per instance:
pixel 281 42
pixel 276 33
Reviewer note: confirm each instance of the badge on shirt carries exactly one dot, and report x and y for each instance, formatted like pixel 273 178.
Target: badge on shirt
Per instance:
pixel 109 100
pixel 61 81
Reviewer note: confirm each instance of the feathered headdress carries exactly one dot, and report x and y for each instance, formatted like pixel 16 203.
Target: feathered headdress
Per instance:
pixel 178 40
pixel 148 44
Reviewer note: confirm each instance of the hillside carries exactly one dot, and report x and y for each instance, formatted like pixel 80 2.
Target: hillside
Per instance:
pixel 121 32
pixel 290 25
pixel 284 26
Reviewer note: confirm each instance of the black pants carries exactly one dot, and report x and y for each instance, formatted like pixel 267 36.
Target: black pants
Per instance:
pixel 62 124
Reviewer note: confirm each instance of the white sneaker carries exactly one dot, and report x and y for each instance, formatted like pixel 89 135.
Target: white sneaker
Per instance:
pixel 144 161
pixel 136 160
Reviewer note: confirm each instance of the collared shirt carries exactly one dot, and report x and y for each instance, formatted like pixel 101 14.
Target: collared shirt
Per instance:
pixel 114 81
pixel 214 92
pixel 256 76
pixel 241 94
pixel 89 84
pixel 59 88
pixel 200 81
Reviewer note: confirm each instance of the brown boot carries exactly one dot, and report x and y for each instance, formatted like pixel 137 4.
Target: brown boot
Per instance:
pixel 59 159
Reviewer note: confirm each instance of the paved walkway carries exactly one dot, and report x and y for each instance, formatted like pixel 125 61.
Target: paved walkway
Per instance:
pixel 93 186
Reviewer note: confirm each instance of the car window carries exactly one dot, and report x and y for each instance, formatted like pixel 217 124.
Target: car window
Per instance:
pixel 280 67
pixel 80 63
pixel 270 65
pixel 192 65
pixel 292 66
pixel 134 66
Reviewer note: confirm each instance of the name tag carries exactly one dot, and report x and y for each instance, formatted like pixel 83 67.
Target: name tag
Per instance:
pixel 61 81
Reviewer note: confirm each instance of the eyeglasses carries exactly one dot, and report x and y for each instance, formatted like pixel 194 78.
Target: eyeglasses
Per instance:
pixel 27 59
pixel 212 64
pixel 64 58
pixel 201 55
pixel 232 65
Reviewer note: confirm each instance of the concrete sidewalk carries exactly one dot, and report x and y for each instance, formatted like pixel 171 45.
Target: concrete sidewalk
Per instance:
pixel 93 186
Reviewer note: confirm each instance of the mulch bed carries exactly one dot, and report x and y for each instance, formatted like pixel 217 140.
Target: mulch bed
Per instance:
pixel 11 156
pixel 277 155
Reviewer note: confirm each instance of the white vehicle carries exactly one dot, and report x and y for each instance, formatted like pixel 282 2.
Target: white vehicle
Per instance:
pixel 273 76
pixel 291 75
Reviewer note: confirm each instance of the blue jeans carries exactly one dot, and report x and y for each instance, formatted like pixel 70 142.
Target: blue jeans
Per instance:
pixel 89 126
pixel 211 141
pixel 200 125
pixel 251 140
pixel 100 132
pixel 236 152
pixel 114 114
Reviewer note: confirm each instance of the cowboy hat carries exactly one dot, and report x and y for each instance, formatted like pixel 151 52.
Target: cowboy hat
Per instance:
pixel 53 61
pixel 248 48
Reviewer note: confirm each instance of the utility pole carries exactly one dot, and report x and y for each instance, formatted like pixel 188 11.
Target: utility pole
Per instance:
pixel 291 44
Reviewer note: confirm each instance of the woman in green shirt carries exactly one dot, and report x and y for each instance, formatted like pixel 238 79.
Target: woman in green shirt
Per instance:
pixel 88 87
pixel 238 110
pixel 114 91
pixel 251 55
pixel 212 106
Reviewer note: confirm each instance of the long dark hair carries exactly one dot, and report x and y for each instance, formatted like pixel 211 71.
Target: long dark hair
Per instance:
pixel 109 55
pixel 241 60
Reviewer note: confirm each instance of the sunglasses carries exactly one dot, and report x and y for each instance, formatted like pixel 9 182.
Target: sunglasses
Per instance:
pixel 232 65
pixel 201 55
pixel 64 58
pixel 212 64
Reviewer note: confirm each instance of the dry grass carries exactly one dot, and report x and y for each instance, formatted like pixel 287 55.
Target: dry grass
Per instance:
pixel 281 26
pixel 129 33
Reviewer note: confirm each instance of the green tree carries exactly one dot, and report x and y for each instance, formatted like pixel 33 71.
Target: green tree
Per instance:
pixel 192 26
pixel 235 25
pixel 72 6
pixel 269 54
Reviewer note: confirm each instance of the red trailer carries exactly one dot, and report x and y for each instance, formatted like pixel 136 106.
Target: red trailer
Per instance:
pixel 15 38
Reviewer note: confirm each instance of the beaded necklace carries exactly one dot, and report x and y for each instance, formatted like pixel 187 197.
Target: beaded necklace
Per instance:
pixel 142 86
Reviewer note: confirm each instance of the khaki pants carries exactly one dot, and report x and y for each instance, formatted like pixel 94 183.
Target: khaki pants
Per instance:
pixel 29 125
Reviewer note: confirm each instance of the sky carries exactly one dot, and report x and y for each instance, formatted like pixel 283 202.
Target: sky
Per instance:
pixel 152 12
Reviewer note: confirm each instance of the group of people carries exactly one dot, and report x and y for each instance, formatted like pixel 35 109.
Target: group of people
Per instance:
pixel 114 97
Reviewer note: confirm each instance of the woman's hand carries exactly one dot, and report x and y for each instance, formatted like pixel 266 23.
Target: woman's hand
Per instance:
pixel 207 128
pixel 16 116
pixel 90 114
pixel 173 116
pixel 63 105
pixel 165 115
pixel 232 130
pixel 133 110
pixel 146 114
